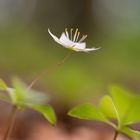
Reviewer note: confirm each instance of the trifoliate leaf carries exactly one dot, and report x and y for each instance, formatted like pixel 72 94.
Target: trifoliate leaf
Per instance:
pixel 108 108
pixel 122 100
pixel 36 97
pixel 133 115
pixel 122 106
pixel 87 111
pixel 46 110
pixel 22 97
pixel 12 95
pixel 3 85
pixel 20 90
pixel 131 133
pixel 5 89
pixel 25 95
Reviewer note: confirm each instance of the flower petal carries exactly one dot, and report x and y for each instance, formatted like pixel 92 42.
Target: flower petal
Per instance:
pixel 54 37
pixel 90 49
pixel 80 46
pixel 66 41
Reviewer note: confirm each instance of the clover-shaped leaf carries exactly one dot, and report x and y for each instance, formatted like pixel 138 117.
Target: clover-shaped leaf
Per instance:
pixel 23 94
pixel 3 85
pixel 87 111
pixel 108 108
pixel 46 110
pixel 133 115
pixel 22 97
pixel 123 99
pixel 121 105
pixel 131 133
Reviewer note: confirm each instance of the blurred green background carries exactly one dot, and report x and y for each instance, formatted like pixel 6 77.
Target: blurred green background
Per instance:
pixel 26 48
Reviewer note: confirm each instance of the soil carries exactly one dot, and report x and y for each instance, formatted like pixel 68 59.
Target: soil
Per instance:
pixel 41 132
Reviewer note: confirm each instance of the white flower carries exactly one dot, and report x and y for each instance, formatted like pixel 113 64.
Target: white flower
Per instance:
pixel 71 41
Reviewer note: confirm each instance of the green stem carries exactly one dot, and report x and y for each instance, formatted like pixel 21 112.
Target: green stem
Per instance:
pixel 10 123
pixel 115 135
pixel 46 70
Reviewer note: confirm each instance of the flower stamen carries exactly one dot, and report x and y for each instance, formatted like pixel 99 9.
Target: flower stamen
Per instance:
pixel 75 35
pixel 67 34
pixel 83 38
pixel 71 30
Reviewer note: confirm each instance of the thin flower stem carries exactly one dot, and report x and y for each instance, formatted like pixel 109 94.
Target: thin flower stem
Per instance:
pixel 46 70
pixel 115 135
pixel 10 123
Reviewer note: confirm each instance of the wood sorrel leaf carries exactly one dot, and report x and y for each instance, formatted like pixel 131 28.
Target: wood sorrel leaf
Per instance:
pixel 5 89
pixel 34 100
pixel 133 115
pixel 36 97
pixel 3 85
pixel 23 94
pixel 108 108
pixel 131 133
pixel 87 111
pixel 22 97
pixel 122 100
pixel 20 90
pixel 46 110
pixel 122 105
pixel 12 94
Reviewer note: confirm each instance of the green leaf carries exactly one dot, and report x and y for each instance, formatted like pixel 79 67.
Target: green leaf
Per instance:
pixel 133 115
pixel 131 133
pixel 36 97
pixel 3 85
pixel 122 100
pixel 12 94
pixel 22 97
pixel 108 108
pixel 87 111
pixel 46 110
pixel 20 90
pixel 23 94
pixel 122 105
pixel 5 88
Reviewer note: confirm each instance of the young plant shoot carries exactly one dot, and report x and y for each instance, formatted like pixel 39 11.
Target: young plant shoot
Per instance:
pixel 121 105
pixel 21 97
